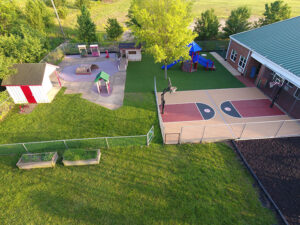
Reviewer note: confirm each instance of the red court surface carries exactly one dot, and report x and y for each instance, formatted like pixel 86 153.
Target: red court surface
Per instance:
pixel 181 112
pixel 256 108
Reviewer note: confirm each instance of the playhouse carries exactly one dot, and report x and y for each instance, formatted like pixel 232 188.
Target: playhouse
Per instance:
pixel 131 51
pixel 82 50
pixel 95 50
pixel 33 83
pixel 102 77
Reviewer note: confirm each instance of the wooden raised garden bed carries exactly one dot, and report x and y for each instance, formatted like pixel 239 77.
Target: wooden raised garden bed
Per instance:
pixel 37 160
pixel 80 157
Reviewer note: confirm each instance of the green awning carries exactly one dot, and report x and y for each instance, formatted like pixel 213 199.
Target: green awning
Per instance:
pixel 102 75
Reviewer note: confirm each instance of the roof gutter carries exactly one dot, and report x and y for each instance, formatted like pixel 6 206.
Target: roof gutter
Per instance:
pixel 284 73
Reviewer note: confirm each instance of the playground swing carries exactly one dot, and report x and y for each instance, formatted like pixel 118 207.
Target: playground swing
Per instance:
pixel 104 77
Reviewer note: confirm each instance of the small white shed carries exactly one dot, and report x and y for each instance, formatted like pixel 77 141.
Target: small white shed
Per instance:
pixel 131 51
pixel 33 83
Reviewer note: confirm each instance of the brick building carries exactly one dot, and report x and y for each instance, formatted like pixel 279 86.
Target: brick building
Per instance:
pixel 271 54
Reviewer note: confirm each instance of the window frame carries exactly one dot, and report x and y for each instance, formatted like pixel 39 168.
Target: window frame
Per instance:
pixel 233 54
pixel 244 62
pixel 297 97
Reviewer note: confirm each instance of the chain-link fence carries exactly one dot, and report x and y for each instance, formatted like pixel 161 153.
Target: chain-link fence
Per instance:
pixel 89 143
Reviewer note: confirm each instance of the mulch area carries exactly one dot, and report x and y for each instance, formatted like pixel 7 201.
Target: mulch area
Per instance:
pixel 276 162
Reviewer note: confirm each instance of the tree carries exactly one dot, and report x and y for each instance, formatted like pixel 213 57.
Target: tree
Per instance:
pixel 113 29
pixel 275 12
pixel 38 15
pixel 5 66
pixel 163 27
pixel 86 27
pixel 207 27
pixel 8 17
pixel 27 47
pixel 237 21
pixel 80 3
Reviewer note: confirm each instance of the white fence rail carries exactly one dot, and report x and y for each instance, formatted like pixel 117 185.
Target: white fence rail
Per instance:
pixel 235 131
pixel 158 113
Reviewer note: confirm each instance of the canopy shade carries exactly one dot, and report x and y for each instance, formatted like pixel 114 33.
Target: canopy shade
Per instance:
pixel 194 47
pixel 102 75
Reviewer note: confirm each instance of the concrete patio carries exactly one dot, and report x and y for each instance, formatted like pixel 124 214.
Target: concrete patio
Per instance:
pixel 88 88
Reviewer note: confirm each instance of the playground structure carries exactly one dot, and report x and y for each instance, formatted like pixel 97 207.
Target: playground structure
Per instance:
pixel 95 50
pixel 84 52
pixel 102 77
pixel 196 58
pixel 86 69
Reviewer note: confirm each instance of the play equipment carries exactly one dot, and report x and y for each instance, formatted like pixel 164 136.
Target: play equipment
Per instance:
pixel 206 63
pixel 172 64
pixel 86 69
pixel 107 54
pixel 196 58
pixel 82 50
pixel 102 76
pixel 95 50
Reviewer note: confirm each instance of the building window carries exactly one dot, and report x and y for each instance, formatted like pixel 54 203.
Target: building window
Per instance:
pixel 290 85
pixel 132 52
pixel 297 94
pixel 233 55
pixel 277 78
pixel 242 62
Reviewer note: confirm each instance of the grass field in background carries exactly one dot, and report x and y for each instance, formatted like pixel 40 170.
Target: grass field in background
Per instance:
pixel 100 11
pixel 186 184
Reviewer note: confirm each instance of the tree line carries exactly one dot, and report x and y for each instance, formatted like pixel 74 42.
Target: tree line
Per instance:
pixel 208 26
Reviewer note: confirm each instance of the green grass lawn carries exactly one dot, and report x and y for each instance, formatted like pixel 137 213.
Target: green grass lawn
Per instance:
pixel 186 184
pixel 140 77
pixel 178 184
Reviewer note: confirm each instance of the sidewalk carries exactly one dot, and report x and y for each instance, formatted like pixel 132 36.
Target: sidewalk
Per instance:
pixel 233 71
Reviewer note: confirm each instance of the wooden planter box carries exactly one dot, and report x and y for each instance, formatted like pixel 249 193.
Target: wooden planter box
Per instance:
pixel 39 164
pixel 83 162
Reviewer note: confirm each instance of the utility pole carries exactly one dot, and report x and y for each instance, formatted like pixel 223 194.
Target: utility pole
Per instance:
pixel 58 19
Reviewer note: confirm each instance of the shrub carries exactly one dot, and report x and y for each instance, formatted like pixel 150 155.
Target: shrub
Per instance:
pixel 86 27
pixel 113 29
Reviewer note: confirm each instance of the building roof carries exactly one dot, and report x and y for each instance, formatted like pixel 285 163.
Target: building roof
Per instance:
pixel 129 46
pixel 102 75
pixel 27 74
pixel 194 47
pixel 277 42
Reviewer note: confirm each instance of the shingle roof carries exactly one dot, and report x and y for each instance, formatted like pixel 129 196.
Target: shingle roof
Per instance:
pixel 278 42
pixel 26 74
pixel 129 45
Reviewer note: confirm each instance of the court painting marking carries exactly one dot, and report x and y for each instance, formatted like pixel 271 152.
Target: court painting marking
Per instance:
pixel 185 112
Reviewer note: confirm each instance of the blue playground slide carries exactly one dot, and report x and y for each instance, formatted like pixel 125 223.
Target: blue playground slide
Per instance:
pixel 207 63
pixel 170 65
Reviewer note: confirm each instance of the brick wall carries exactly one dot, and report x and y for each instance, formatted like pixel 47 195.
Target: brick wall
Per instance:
pixel 240 51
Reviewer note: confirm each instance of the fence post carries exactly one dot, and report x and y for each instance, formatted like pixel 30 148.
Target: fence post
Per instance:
pixel 243 130
pixel 202 134
pixel 25 147
pixel 180 135
pixel 66 144
pixel 107 142
pixel 279 128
